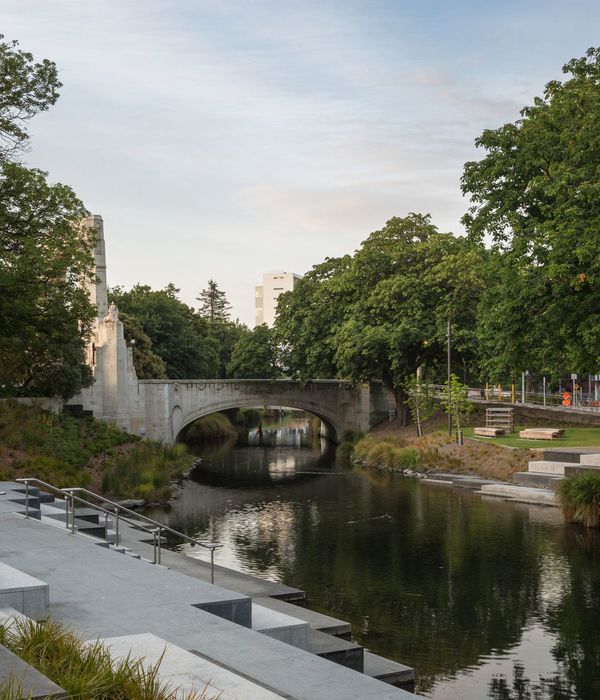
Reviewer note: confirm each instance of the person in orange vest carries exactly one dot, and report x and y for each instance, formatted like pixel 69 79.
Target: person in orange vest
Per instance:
pixel 566 398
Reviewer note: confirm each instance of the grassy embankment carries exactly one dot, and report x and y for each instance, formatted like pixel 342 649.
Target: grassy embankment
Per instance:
pixel 83 670
pixel 391 446
pixel 573 437
pixel 70 451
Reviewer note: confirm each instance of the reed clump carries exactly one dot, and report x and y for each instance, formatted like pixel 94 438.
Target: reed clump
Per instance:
pixel 390 452
pixel 85 670
pixel 579 497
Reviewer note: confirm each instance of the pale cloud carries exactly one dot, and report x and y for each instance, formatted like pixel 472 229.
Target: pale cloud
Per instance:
pixel 225 139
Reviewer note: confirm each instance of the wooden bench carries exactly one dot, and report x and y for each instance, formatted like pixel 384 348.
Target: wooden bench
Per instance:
pixel 541 433
pixel 488 432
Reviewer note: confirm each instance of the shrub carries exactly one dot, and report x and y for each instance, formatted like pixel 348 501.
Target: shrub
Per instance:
pixel 343 454
pixel 579 497
pixel 214 427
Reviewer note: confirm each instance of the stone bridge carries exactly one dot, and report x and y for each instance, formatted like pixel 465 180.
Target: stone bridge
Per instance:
pixel 170 406
pixel 160 410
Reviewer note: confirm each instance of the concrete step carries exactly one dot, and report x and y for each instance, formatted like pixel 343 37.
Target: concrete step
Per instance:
pixel 576 469
pixel 22 592
pixel 10 617
pixel 186 671
pixel 88 514
pixel 520 494
pixel 388 671
pixel 278 625
pixel 24 680
pixel 538 480
pixel 561 456
pixel 338 650
pixel 316 620
pixel 546 466
pixel 590 460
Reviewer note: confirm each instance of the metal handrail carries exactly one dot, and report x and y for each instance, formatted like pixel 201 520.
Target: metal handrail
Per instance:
pixel 69 493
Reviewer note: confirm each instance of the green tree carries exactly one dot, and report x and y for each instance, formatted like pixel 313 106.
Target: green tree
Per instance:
pixel 148 365
pixel 26 88
pixel 214 305
pixel 45 263
pixel 407 280
pixel 254 355
pixel 419 401
pixel 226 334
pixel 455 401
pixel 308 318
pixel 178 335
pixel 536 195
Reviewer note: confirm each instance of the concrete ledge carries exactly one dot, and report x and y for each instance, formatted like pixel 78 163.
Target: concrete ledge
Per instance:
pixel 340 651
pixel 387 671
pixel 26 681
pixel 316 620
pixel 279 626
pixel 184 670
pixel 24 593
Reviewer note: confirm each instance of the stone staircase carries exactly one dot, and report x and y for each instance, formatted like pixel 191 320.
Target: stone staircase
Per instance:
pixel 272 647
pixel 538 484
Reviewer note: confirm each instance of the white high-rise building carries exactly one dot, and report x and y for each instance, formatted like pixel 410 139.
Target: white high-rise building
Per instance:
pixel 274 284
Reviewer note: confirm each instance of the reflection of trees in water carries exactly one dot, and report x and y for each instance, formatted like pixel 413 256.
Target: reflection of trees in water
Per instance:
pixel 522 688
pixel 434 578
pixel 573 617
pixel 442 581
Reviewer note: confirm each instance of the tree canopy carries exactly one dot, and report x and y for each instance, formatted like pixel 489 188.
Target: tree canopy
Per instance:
pixel 214 306
pixel 46 256
pixel 383 312
pixel 254 355
pixel 178 335
pixel 536 195
pixel 26 88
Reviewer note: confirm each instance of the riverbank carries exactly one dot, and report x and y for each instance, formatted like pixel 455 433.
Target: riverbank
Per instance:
pixel 436 452
pixel 67 450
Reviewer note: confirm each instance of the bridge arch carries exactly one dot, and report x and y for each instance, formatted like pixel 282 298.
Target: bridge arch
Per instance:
pixel 180 422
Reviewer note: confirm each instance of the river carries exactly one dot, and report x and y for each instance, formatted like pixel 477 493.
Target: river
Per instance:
pixel 480 596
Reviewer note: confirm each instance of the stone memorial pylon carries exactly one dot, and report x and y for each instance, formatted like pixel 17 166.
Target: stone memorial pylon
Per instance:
pixel 115 394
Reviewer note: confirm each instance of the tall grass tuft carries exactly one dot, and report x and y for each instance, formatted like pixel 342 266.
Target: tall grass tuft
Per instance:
pixel 146 471
pixel 83 670
pixel 579 497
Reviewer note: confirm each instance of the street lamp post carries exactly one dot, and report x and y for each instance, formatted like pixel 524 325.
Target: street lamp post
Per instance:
pixel 449 372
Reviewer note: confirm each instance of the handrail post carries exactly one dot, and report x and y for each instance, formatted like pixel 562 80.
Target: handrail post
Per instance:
pixel 66 497
pixel 106 526
pixel 212 564
pixel 27 499
pixel 117 526
pixel 72 513
pixel 159 537
pixel 154 544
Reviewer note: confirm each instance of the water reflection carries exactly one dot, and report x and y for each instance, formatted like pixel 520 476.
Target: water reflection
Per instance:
pixel 470 592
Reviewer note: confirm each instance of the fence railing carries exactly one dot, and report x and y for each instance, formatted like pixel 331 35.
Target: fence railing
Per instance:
pixel 119 513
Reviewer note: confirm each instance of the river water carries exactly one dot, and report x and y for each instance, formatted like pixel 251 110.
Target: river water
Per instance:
pixel 485 599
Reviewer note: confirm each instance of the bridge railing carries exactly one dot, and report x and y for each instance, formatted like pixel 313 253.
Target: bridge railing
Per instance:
pixel 120 513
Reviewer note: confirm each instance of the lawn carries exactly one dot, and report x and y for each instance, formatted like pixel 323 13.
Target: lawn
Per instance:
pixel 573 437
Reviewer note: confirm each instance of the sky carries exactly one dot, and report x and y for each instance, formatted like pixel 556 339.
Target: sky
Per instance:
pixel 223 139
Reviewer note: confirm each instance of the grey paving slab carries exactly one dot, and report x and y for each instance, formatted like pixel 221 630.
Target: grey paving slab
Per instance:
pixel 185 671
pixel 386 670
pixel 316 620
pixel 101 593
pixel 24 679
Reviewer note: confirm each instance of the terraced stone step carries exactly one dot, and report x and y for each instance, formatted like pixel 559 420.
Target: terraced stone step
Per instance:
pixel 316 621
pixel 338 650
pixel 387 671
pixel 185 670
pixel 538 480
pixel 278 625
pixel 19 676
pixel 520 494
pixel 546 466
